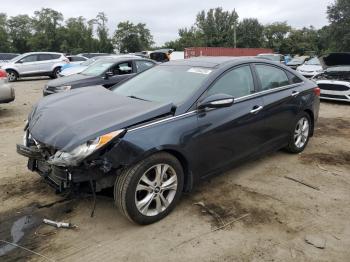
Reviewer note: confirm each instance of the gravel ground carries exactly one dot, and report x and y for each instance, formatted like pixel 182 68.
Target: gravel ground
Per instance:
pixel 267 217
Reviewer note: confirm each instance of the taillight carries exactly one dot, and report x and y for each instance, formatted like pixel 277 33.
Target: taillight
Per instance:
pixel 317 91
pixel 3 74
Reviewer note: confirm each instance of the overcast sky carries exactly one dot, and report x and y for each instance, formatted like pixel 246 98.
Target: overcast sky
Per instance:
pixel 165 17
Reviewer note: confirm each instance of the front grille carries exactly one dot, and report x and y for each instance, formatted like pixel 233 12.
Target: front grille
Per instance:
pixel 334 96
pixel 333 87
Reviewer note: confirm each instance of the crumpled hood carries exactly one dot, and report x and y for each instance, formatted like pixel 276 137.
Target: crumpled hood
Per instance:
pixel 72 80
pixel 69 119
pixel 335 60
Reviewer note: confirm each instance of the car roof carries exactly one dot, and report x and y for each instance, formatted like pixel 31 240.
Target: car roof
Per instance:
pixel 212 61
pixel 36 53
pixel 117 58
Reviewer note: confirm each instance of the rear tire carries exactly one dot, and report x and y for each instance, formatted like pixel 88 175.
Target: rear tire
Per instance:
pixel 55 73
pixel 148 191
pixel 12 75
pixel 300 134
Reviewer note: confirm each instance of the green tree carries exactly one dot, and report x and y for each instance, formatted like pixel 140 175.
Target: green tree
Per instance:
pixel 250 33
pixel 20 31
pixel 47 30
pixel 4 36
pixel 105 44
pixel 129 37
pixel 339 18
pixel 188 38
pixel 217 27
pixel 275 35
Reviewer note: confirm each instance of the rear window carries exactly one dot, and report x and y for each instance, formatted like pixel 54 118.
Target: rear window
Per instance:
pixel 271 77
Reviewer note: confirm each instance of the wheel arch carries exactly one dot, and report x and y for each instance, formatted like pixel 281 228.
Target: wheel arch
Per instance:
pixel 312 117
pixel 12 69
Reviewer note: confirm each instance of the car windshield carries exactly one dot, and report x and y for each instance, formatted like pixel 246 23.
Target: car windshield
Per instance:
pixel 97 68
pixel 271 57
pixel 313 61
pixel 165 84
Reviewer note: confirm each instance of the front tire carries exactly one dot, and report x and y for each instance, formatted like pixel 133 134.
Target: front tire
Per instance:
pixel 300 134
pixel 148 191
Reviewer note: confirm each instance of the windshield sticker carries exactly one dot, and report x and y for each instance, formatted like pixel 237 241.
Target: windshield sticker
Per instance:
pixel 198 70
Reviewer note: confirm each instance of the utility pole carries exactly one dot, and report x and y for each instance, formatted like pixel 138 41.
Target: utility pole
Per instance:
pixel 235 31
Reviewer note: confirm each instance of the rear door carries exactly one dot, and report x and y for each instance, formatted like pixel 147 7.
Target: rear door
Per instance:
pixel 280 93
pixel 45 63
pixel 230 134
pixel 119 72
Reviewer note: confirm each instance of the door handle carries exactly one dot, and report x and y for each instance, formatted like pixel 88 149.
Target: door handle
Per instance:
pixel 295 93
pixel 256 109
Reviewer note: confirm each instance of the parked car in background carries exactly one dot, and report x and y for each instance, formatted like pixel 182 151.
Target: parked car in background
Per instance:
pixel 334 82
pixel 273 57
pixel 91 55
pixel 7 93
pixel 5 57
pixel 310 68
pixel 161 132
pixel 34 64
pixel 73 60
pixel 297 61
pixel 105 72
pixel 78 68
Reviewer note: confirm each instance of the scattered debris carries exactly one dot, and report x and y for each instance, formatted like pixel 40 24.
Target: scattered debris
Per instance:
pixel 26 249
pixel 59 224
pixel 303 183
pixel 211 212
pixel 326 170
pixel 231 222
pixel 316 241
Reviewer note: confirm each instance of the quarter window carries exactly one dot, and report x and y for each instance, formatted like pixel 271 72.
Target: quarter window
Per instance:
pixel 271 77
pixel 237 83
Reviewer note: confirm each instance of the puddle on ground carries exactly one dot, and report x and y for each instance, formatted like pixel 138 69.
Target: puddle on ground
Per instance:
pixel 25 228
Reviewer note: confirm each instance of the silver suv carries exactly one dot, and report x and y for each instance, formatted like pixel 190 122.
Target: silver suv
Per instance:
pixel 35 64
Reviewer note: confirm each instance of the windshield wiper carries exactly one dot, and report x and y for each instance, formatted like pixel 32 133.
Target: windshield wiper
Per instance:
pixel 139 98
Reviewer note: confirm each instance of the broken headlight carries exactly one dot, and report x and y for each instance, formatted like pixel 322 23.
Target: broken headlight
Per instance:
pixel 74 157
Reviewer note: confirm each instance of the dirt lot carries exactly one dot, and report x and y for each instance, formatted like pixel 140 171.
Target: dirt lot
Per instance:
pixel 272 218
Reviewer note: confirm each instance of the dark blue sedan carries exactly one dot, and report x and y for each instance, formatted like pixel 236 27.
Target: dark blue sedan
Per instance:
pixel 161 132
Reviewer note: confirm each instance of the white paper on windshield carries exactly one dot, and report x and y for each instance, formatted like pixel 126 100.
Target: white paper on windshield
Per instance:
pixel 198 70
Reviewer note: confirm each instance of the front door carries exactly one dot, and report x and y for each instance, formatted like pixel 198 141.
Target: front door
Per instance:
pixel 227 135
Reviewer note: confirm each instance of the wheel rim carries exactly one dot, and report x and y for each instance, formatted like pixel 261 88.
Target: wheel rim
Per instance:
pixel 301 132
pixel 11 76
pixel 156 190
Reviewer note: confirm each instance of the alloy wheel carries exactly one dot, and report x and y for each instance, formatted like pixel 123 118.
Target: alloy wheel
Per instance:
pixel 301 132
pixel 11 76
pixel 156 189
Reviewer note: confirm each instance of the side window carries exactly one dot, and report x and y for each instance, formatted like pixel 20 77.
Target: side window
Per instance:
pixel 143 65
pixel 122 68
pixel 237 82
pixel 55 56
pixel 30 58
pixel 271 77
pixel 44 57
pixel 293 78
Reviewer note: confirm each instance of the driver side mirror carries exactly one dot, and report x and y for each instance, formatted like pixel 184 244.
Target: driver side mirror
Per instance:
pixel 216 101
pixel 19 62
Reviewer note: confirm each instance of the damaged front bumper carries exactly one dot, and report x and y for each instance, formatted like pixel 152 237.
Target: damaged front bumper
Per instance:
pixel 63 179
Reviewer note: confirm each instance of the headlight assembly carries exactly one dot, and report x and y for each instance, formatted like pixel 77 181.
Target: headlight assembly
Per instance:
pixel 74 157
